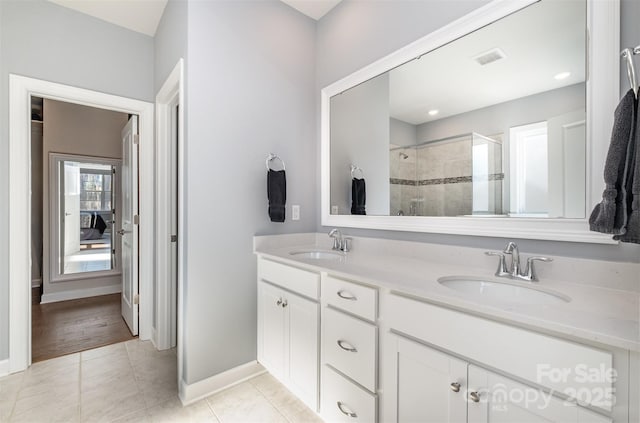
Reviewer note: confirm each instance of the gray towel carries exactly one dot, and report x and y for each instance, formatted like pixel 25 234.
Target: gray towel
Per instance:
pixel 610 215
pixel 632 233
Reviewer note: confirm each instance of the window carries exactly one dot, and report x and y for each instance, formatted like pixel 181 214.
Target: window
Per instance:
pixel 95 189
pixel 529 166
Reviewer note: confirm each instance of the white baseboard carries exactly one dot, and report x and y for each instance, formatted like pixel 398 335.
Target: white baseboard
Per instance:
pixel 4 367
pixel 74 294
pixel 190 393
pixel 35 283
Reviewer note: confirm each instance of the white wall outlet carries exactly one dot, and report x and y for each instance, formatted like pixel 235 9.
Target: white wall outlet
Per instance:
pixel 334 209
pixel 295 212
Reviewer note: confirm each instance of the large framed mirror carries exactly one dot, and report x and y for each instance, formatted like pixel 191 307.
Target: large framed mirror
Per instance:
pixel 84 196
pixel 495 125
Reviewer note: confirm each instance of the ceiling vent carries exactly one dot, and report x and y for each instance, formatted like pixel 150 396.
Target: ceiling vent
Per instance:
pixel 489 56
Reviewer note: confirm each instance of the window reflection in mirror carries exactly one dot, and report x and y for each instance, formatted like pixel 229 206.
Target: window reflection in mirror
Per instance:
pixel 492 124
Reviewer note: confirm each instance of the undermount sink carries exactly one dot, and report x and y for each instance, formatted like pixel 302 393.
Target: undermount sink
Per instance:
pixel 502 291
pixel 318 254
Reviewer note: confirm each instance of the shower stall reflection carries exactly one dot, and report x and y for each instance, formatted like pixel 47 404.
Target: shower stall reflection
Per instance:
pixel 455 176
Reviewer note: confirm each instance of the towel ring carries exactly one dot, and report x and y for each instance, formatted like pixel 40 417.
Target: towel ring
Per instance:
pixel 627 53
pixel 272 157
pixel 355 169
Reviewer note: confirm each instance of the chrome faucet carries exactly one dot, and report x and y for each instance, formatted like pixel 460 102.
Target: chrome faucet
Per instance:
pixel 340 243
pixel 514 271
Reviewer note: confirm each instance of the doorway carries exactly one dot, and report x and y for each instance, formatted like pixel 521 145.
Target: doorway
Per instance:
pixel 20 93
pixel 78 215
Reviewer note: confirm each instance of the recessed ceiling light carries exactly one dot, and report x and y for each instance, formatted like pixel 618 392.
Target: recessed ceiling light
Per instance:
pixel 562 75
pixel 433 112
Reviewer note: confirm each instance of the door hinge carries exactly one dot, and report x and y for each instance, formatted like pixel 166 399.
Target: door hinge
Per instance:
pixel 174 238
pixel 136 219
pixel 136 139
pixel 113 170
pixel 136 299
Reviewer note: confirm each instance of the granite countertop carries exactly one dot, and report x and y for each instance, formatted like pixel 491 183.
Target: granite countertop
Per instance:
pixel 595 314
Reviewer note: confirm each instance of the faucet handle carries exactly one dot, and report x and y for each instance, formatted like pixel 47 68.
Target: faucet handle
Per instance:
pixel 346 244
pixel 502 264
pixel 530 271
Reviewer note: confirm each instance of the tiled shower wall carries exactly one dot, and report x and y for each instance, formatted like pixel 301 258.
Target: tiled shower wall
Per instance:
pixel 436 179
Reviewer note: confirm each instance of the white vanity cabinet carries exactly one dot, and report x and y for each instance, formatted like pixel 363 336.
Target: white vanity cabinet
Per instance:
pixel 438 384
pixel 288 327
pixel 349 351
pixel 432 386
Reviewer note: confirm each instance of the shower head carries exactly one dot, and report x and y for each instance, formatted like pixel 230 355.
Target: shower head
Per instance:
pixel 403 156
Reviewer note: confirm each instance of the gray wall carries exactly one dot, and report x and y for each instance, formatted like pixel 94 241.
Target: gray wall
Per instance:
pixel 497 119
pixel 357 33
pixel 170 40
pixel 402 134
pixel 360 136
pixel 170 45
pixel 629 37
pixel 46 41
pixel 251 79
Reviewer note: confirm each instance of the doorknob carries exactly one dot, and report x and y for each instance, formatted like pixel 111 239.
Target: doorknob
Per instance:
pixel 67 214
pixel 122 232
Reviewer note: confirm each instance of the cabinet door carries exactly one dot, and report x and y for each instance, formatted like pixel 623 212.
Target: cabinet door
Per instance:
pixel 271 327
pixel 499 399
pixel 430 385
pixel 302 348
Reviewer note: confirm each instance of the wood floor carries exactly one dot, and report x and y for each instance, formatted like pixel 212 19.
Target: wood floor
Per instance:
pixel 72 326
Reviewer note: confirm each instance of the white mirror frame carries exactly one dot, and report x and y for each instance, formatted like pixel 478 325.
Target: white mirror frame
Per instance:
pixel 55 218
pixel 603 48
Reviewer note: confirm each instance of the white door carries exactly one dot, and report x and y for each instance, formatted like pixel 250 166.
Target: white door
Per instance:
pixel 302 318
pixel 71 209
pixel 499 399
pixel 271 321
pixel 430 385
pixel 567 171
pixel 173 280
pixel 129 230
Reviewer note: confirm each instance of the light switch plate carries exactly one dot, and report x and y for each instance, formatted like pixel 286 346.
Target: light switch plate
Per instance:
pixel 295 212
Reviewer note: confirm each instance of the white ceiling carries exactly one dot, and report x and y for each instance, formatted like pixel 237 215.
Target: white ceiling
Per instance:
pixel 144 15
pixel 541 41
pixel 138 15
pixel 313 8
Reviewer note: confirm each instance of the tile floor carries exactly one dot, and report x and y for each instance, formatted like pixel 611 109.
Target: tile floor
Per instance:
pixel 132 382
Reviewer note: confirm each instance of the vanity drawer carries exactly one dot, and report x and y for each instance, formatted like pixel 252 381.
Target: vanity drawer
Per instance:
pixel 560 365
pixel 344 401
pixel 297 280
pixel 351 297
pixel 350 345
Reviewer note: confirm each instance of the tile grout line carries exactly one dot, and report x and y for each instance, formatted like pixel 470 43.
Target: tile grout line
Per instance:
pixel 286 417
pixel 135 378
pixel 212 410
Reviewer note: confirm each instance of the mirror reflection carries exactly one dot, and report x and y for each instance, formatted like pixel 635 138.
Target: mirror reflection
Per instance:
pixel 86 201
pixel 492 124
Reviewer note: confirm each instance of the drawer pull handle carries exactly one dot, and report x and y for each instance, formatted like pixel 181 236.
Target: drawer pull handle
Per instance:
pixel 348 346
pixel 347 295
pixel 474 396
pixel 349 413
pixel 455 387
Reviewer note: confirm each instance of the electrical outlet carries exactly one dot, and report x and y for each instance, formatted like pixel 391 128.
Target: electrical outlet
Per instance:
pixel 334 209
pixel 295 212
